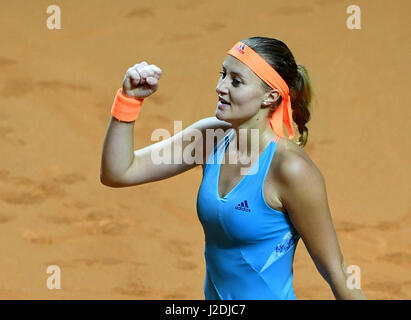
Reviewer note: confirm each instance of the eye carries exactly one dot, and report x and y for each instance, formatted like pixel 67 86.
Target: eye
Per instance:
pixel 235 81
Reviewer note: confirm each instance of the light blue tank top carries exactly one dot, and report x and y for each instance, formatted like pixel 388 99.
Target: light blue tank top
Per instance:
pixel 249 247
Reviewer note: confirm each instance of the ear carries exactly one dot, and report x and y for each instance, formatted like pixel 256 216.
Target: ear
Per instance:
pixel 271 97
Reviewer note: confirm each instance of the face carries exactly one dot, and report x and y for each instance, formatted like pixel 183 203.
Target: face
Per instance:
pixel 242 89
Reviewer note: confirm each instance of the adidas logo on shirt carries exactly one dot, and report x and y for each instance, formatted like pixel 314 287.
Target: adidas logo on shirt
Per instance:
pixel 243 206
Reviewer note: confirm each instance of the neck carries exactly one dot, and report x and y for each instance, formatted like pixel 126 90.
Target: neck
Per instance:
pixel 253 136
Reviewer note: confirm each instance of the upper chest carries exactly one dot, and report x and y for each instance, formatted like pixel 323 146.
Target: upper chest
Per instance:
pixel 233 178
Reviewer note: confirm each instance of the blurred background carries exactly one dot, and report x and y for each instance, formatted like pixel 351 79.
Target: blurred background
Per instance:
pixel 145 242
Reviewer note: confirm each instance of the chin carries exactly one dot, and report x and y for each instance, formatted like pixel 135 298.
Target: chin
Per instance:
pixel 218 115
pixel 221 116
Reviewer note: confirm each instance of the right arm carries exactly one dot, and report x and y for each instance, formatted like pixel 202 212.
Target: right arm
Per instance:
pixel 123 167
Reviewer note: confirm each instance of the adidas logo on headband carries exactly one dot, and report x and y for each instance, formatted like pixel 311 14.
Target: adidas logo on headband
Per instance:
pixel 240 48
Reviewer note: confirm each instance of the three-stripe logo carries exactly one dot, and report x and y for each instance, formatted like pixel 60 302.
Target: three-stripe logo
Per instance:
pixel 240 48
pixel 243 206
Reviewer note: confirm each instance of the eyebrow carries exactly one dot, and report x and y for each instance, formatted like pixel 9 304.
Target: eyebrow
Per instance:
pixel 237 73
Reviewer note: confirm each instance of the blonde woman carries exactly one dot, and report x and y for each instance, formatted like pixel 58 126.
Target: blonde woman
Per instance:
pixel 252 222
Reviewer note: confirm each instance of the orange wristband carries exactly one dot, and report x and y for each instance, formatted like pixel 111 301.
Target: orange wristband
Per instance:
pixel 126 108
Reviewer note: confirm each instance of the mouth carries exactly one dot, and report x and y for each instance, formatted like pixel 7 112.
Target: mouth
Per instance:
pixel 223 102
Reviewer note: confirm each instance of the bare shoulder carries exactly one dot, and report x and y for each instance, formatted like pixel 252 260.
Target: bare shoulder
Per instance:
pixel 293 164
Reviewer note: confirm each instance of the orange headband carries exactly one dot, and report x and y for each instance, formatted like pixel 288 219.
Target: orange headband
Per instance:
pixel 268 74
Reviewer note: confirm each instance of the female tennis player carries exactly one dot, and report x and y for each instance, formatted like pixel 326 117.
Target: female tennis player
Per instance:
pixel 252 222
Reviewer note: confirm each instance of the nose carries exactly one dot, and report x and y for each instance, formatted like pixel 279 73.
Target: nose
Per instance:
pixel 221 88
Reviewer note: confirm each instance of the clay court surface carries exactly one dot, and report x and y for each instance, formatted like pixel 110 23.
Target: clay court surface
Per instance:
pixel 145 242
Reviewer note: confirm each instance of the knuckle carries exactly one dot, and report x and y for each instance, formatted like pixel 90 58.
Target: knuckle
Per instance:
pixel 157 70
pixel 147 70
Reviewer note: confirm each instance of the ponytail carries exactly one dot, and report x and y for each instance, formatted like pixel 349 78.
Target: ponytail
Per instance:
pixel 301 95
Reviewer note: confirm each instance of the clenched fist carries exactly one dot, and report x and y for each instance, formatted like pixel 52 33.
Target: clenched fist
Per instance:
pixel 141 80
